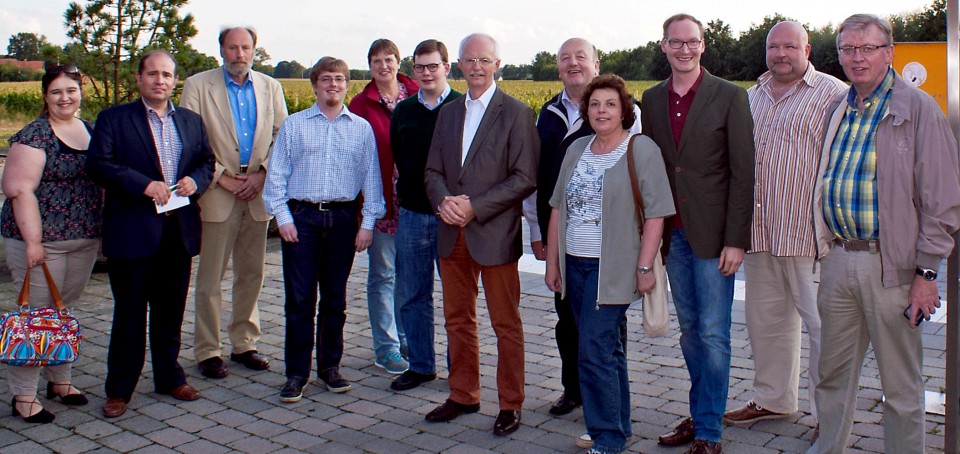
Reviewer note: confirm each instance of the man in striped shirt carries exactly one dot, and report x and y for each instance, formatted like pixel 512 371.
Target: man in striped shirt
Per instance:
pixel 789 105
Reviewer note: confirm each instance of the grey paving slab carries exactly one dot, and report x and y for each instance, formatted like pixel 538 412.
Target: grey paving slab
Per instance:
pixel 242 413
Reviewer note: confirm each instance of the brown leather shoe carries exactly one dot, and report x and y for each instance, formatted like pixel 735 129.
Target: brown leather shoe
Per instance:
pixel 449 410
pixel 251 359
pixel 701 446
pixel 750 414
pixel 681 435
pixel 184 392
pixel 114 407
pixel 507 422
pixel 212 368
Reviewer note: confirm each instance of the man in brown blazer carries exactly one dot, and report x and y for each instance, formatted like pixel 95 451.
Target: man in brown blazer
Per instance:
pixel 482 164
pixel 242 111
pixel 704 129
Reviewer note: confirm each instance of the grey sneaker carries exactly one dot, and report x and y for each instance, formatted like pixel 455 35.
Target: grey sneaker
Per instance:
pixel 393 363
pixel 335 383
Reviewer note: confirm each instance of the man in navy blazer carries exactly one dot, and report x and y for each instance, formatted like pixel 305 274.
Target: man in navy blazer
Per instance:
pixel 141 153
pixel 704 129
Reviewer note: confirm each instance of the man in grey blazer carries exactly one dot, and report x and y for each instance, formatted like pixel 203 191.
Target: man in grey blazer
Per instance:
pixel 704 129
pixel 242 110
pixel 482 163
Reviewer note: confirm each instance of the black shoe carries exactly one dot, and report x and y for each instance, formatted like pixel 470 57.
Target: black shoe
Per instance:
pixel 66 399
pixel 251 359
pixel 41 417
pixel 335 383
pixel 508 421
pixel 449 410
pixel 410 380
pixel 292 391
pixel 212 368
pixel 564 405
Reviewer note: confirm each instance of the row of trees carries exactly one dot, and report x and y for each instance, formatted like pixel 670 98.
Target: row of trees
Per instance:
pixel 741 58
pixel 108 36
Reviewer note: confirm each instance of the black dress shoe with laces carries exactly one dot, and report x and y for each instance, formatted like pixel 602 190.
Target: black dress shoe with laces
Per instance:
pixel 410 380
pixel 212 368
pixel 449 410
pixel 508 421
pixel 564 405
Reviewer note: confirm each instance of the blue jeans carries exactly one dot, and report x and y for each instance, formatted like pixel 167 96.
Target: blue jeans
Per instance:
pixel 381 305
pixel 416 261
pixel 704 300
pixel 604 383
pixel 322 258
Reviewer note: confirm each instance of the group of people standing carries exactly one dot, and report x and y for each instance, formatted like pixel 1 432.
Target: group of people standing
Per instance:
pixel 793 174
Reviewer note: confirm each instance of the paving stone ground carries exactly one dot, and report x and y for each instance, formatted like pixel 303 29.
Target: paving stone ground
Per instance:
pixel 242 413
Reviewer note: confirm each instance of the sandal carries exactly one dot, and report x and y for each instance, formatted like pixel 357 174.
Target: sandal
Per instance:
pixel 41 417
pixel 67 399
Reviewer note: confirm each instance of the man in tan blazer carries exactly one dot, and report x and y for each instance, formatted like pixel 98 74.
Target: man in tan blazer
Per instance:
pixel 242 111
pixel 482 164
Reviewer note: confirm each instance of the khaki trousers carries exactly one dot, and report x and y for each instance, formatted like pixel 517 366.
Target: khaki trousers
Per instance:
pixel 858 312
pixel 780 292
pixel 245 239
pixel 70 262
pixel 459 274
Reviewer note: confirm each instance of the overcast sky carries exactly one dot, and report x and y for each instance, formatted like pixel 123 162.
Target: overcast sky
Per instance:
pixel 307 30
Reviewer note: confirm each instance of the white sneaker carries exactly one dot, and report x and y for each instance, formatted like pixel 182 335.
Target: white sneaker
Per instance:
pixel 584 441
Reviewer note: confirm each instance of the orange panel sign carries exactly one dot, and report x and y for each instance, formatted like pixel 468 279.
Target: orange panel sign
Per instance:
pixel 924 65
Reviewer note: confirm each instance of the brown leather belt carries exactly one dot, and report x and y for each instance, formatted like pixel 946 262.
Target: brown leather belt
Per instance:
pixel 871 246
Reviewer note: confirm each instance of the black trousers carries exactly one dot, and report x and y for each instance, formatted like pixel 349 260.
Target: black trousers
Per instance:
pixel 159 282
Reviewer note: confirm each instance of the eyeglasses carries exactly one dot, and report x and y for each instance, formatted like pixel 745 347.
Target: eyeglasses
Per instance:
pixel 678 43
pixel 474 61
pixel 866 49
pixel 432 67
pixel 337 79
pixel 69 69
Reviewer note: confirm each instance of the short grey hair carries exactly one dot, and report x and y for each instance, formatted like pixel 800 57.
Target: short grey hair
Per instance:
pixel 496 45
pixel 862 21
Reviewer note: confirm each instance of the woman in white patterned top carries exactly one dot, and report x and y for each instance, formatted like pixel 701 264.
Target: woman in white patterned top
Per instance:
pixel 595 254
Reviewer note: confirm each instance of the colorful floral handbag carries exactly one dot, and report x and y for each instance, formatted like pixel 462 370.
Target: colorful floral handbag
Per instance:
pixel 39 337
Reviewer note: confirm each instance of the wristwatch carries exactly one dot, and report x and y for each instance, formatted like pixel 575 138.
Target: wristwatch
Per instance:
pixel 927 273
pixel 644 269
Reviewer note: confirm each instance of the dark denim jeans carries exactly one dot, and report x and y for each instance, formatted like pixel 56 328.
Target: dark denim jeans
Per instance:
pixel 322 257
pixel 604 383
pixel 704 300
pixel 416 261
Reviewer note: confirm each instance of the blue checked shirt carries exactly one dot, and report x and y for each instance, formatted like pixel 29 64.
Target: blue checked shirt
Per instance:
pixel 167 141
pixel 243 107
pixel 315 159
pixel 850 180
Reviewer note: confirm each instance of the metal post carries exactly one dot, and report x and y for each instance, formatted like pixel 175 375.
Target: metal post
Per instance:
pixel 952 344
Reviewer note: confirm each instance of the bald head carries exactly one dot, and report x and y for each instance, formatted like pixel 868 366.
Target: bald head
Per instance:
pixel 578 64
pixel 787 52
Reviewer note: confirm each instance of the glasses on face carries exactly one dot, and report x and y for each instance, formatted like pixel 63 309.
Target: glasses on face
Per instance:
pixel 474 61
pixel 432 67
pixel 866 49
pixel 69 69
pixel 337 79
pixel 678 43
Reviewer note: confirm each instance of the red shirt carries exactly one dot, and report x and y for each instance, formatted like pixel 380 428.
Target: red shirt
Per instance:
pixel 679 110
